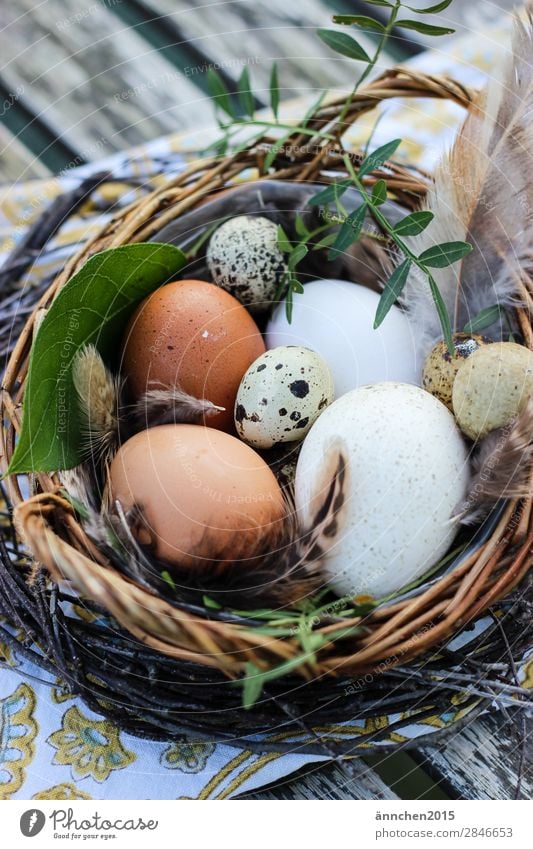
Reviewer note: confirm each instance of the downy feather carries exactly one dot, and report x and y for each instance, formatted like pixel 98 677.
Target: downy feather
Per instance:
pixel 482 194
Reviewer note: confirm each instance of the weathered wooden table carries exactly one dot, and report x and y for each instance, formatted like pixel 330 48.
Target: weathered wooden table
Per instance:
pixel 80 80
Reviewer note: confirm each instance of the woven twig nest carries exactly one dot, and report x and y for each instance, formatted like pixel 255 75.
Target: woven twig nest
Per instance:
pixel 161 648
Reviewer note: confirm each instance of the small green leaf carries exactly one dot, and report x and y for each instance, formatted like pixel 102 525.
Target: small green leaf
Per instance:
pixel 414 223
pixel 331 193
pixel 299 226
pixel 246 97
pixel 349 232
pixel 344 44
pixel 360 21
pixel 485 318
pixel 392 291
pixel 379 193
pixel 92 308
pixel 274 90
pixel 378 157
pixel 443 315
pixel 380 3
pixel 425 29
pixel 168 579
pixel 431 10
pixel 219 92
pixel 297 254
pixel 283 241
pixel 325 242
pixel 252 685
pixel 440 256
pixel 210 603
pixel 274 150
pixel 256 678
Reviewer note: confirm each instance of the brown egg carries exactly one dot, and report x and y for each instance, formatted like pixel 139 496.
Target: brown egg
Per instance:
pixel 194 335
pixel 203 494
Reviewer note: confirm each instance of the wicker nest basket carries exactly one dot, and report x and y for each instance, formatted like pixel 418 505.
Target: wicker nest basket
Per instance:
pixel 163 667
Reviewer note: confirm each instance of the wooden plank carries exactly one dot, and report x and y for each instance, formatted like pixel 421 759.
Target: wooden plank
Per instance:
pixel 327 781
pixel 483 760
pixel 243 33
pixel 96 82
pixel 17 163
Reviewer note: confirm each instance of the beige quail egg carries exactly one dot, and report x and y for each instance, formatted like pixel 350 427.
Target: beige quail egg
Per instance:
pixel 283 392
pixel 243 257
pixel 441 368
pixel 492 387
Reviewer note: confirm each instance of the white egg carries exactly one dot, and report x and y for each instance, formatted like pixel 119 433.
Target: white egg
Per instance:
pixel 281 394
pixel 336 318
pixel 244 259
pixel 407 469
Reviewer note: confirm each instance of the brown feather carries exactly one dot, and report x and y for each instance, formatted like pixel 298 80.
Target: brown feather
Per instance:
pixel 502 468
pixel 171 405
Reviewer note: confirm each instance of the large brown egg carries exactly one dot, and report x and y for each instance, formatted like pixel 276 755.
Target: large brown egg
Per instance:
pixel 194 335
pixel 203 494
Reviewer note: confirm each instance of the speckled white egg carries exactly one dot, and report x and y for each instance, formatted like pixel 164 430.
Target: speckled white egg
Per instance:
pixel 283 392
pixel 243 257
pixel 407 469
pixel 336 319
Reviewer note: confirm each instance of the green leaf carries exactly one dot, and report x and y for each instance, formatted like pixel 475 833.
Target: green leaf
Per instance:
pixel 210 603
pixel 414 223
pixel 431 10
pixel 331 193
pixel 274 90
pixel 299 226
pixel 256 678
pixel 168 579
pixel 325 242
pixel 380 3
pixel 93 307
pixel 283 241
pixel 485 318
pixel 297 254
pixel 246 97
pixel 440 256
pixel 344 44
pixel 360 21
pixel 375 159
pixel 219 92
pixel 425 29
pixel 349 232
pixel 274 150
pixel 443 315
pixel 392 291
pixel 379 193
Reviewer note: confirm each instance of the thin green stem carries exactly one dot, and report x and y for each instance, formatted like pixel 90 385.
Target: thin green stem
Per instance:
pixel 373 62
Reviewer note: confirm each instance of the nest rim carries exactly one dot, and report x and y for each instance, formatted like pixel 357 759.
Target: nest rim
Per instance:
pixel 48 524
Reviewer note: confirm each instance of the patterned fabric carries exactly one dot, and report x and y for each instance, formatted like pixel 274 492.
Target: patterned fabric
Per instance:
pixel 51 745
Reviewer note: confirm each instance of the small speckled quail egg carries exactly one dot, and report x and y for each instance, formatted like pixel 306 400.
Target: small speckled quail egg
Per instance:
pixel 406 470
pixel 441 368
pixel 281 395
pixel 492 387
pixel 243 257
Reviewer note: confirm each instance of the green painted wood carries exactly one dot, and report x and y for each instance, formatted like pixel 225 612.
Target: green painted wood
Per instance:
pixel 96 83
pixel 17 163
pixel 243 33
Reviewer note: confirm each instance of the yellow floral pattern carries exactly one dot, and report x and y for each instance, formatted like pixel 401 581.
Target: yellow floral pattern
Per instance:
pixel 187 756
pixel 18 730
pixel 68 792
pixel 90 747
